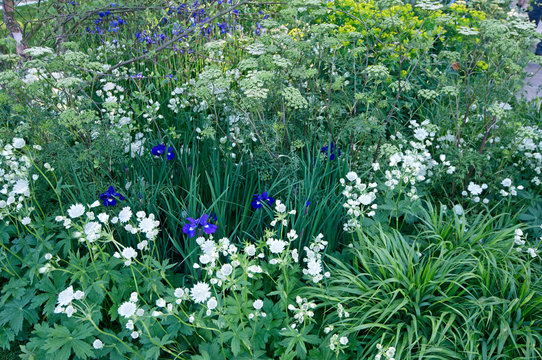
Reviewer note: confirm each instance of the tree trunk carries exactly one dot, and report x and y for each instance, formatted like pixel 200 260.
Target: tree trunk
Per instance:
pixel 13 26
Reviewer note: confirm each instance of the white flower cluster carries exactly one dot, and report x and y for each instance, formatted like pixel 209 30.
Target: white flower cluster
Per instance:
pixel 48 266
pixel 411 162
pixel 388 353
pixel 465 30
pixel 474 190
pixel 257 305
pixel 341 312
pixel 337 343
pixel 65 301
pixel 135 147
pixel 129 310
pixel 128 254
pixel 520 239
pixel 509 189
pixel 360 199
pixel 281 215
pixel 528 153
pixel 313 259
pixel 94 227
pixel 253 85
pixel 15 180
pixel 429 5
pixel 303 312
pixel 228 267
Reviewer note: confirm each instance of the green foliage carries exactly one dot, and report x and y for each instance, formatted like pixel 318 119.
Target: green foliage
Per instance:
pixel 358 115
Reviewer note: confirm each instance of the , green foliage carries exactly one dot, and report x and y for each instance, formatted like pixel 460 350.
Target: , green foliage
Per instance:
pixel 445 293
pixel 300 180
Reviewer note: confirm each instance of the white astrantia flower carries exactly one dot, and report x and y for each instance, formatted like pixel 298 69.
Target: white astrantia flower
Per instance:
pixel 103 217
pixel 70 310
pixel 149 226
pixel 127 309
pixel 343 340
pixel 129 253
pixel 506 182
pixel 295 255
pixel 48 256
pixel 250 250
pixel 161 303
pixel 212 303
pixel 474 189
pixel 78 295
pixel 21 187
pixel 133 297
pixel 76 210
pixel 257 304
pixel 280 207
pixel 66 296
pixel 276 246
pixel 200 292
pixel 532 252
pixel 351 176
pixel 125 214
pixel 25 221
pixel 226 269
pixel 458 209
pixel 421 134
pixel 92 230
pixel 97 344
pixel 18 143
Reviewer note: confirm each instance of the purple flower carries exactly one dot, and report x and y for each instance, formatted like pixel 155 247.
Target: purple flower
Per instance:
pixel 109 198
pixel 191 227
pixel 330 151
pixel 259 200
pixel 159 150
pixel 170 154
pixel 203 223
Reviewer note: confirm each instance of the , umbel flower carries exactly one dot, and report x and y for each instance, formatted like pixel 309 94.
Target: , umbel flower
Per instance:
pixel 259 200
pixel 109 198
pixel 202 222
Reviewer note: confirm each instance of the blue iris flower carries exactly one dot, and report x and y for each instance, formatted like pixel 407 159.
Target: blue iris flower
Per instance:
pixel 160 150
pixel 203 223
pixel 109 198
pixel 259 200
pixel 330 151
pixel 170 154
pixel 307 203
